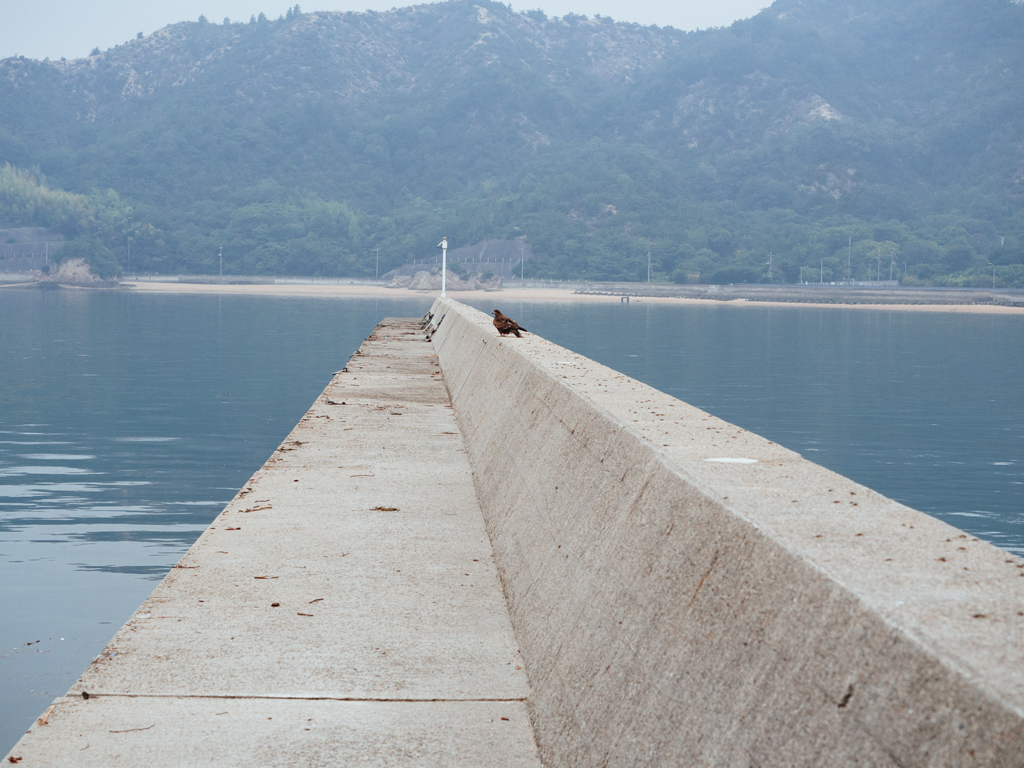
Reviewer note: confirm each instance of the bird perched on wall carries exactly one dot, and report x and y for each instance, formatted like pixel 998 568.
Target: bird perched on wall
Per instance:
pixel 506 325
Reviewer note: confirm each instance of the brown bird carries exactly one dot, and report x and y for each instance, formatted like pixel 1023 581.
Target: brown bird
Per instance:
pixel 506 325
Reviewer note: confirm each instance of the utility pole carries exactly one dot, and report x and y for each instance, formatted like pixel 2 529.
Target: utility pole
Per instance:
pixel 770 256
pixel 522 259
pixel 222 261
pixel 649 265
pixel 127 262
pixel 443 245
pixel 821 273
pixel 376 271
pixel 849 251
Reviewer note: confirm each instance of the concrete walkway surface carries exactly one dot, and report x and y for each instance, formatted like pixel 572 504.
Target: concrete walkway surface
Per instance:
pixel 344 608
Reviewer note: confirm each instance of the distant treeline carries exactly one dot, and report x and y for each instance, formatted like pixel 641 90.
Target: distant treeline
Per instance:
pixel 831 141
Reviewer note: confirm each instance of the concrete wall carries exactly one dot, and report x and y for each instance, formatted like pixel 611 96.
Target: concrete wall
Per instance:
pixel 685 592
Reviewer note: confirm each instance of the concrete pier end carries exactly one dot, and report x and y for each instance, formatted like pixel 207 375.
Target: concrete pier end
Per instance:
pixel 685 592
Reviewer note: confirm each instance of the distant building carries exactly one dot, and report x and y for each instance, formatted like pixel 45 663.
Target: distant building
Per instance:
pixel 26 248
pixel 499 257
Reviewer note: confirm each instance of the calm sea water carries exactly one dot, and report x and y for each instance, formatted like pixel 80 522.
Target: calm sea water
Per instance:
pixel 126 423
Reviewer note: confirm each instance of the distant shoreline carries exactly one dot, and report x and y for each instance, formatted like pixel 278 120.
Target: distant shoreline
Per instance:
pixel 536 294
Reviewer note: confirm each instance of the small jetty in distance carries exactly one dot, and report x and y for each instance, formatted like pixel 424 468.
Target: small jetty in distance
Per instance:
pixel 815 293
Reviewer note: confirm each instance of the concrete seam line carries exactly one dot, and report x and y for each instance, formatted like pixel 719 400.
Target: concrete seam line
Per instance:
pixel 241 697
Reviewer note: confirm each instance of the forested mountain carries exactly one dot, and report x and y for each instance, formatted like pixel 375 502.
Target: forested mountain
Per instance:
pixel 829 133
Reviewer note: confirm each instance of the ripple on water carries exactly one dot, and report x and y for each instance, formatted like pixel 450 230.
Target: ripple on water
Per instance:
pixel 45 470
pixel 35 442
pixel 56 457
pixel 145 439
pixel 42 489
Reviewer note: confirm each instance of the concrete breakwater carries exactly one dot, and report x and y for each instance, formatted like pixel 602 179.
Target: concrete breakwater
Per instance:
pixel 343 609
pixel 485 551
pixel 685 592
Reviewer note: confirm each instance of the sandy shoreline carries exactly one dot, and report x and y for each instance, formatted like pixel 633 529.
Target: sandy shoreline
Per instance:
pixel 535 294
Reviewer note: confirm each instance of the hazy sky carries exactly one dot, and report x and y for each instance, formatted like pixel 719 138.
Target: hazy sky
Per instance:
pixel 71 28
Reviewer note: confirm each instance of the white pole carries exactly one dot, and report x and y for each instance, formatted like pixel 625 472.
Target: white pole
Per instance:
pixel 443 245
pixel 222 261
